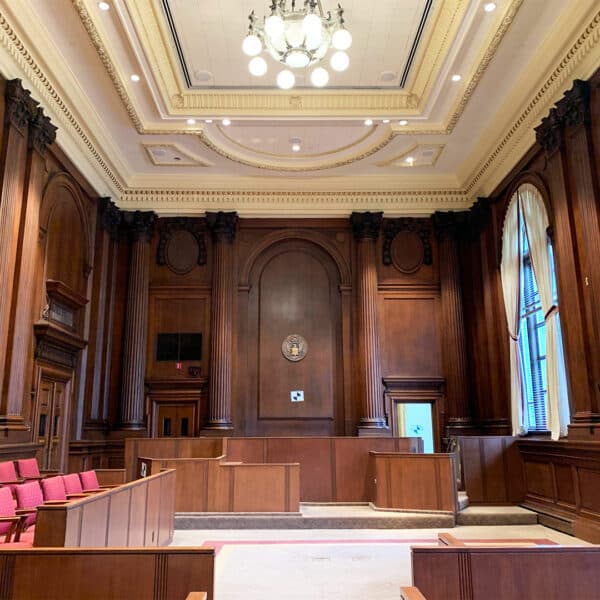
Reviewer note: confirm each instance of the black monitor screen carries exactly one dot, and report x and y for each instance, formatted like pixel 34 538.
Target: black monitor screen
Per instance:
pixel 178 347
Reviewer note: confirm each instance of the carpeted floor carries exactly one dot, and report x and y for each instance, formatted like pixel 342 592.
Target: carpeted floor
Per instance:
pixel 329 564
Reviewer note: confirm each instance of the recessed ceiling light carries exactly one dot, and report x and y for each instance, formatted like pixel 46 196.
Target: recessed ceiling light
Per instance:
pixel 410 160
pixel 226 122
pixel 296 147
pixel 386 121
pixel 191 121
pixel 103 5
pixel 456 77
pixel 135 78
pixel 368 122
pixel 208 120
pixel 489 6
pixel 403 122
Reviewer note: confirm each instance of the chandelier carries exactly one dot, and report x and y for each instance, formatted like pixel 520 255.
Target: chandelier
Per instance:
pixel 298 37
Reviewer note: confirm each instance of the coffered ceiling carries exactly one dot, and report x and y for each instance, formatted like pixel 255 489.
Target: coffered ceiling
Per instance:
pixel 161 143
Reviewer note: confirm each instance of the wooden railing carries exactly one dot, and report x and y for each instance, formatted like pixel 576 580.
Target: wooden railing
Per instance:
pixel 211 485
pixel 411 593
pixel 106 573
pixel 136 514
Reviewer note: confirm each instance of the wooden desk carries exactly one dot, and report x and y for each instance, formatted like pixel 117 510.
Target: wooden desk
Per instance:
pixel 105 573
pixel 136 514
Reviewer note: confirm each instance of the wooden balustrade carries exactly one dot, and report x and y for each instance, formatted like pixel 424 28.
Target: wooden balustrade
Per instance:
pixel 136 514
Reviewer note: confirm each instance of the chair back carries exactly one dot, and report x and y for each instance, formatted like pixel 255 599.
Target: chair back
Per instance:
pixel 29 495
pixel 7 471
pixel 7 508
pixel 53 488
pixel 28 468
pixel 89 480
pixel 72 483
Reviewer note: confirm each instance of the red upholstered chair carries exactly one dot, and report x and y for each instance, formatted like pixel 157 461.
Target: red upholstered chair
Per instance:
pixel 9 521
pixel 8 475
pixel 29 497
pixel 29 468
pixel 89 481
pixel 72 483
pixel 53 488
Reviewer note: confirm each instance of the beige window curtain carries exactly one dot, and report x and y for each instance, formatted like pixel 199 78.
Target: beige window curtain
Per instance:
pixel 510 272
pixel 536 225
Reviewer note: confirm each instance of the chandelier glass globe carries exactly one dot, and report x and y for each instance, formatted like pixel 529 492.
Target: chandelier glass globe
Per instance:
pixel 341 39
pixel 258 66
pixel 339 61
pixel 286 79
pixel 298 35
pixel 319 77
pixel 252 45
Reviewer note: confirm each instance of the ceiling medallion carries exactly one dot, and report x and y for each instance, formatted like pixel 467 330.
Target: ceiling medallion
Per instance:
pixel 298 37
pixel 294 347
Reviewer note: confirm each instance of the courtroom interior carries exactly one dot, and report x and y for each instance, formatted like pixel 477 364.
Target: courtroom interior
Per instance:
pixel 299 299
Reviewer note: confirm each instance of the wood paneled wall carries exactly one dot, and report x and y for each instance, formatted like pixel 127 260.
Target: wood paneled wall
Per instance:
pixel 492 469
pixel 563 165
pixel 562 480
pixel 106 573
pixel 333 469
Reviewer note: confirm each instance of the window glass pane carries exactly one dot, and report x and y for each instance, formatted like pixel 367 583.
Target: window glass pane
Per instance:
pixel 532 343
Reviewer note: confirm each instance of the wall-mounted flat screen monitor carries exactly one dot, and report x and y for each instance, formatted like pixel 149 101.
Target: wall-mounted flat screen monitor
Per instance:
pixel 178 347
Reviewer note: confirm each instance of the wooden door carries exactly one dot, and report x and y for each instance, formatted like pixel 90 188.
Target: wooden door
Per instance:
pixel 175 420
pixel 51 420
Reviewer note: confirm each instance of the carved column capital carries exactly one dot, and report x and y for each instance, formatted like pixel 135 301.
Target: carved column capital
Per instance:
pixel 140 224
pixel 20 106
pixel 574 108
pixel 462 223
pixel 110 217
pixel 366 225
pixel 41 132
pixel 549 133
pixel 223 225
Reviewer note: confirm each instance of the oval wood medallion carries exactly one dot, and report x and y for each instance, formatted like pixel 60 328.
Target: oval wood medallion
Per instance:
pixel 182 252
pixel 407 252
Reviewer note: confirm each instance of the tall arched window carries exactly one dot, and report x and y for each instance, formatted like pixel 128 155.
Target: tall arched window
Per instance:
pixel 539 398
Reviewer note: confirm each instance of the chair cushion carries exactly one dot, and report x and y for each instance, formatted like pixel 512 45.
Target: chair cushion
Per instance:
pixel 72 483
pixel 28 467
pixel 53 488
pixel 7 471
pixel 89 481
pixel 29 495
pixel 7 508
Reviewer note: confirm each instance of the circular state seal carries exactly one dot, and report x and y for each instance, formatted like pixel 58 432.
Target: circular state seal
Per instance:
pixel 294 347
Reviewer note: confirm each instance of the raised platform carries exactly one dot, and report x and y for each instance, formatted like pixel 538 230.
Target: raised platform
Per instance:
pixel 355 516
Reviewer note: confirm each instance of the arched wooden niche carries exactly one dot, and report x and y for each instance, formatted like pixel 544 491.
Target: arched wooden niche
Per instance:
pixel 65 233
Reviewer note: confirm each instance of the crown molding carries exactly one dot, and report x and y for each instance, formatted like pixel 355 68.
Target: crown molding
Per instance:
pixel 278 203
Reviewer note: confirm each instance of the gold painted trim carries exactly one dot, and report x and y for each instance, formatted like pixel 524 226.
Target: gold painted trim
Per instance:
pixel 370 132
pixel 292 168
pixel 27 64
pixel 389 162
pixel 543 99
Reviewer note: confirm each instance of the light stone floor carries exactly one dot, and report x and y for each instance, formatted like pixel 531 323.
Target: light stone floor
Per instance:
pixel 365 564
